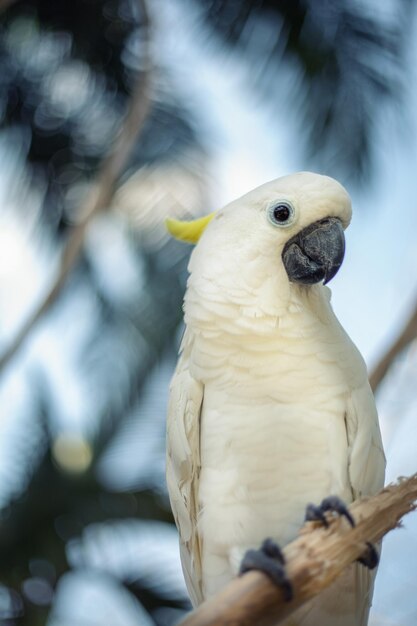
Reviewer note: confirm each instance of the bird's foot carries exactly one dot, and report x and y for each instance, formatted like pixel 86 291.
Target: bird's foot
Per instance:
pixel 370 558
pixel 332 503
pixel 269 560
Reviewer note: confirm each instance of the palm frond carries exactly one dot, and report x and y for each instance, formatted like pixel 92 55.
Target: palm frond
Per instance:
pixel 345 63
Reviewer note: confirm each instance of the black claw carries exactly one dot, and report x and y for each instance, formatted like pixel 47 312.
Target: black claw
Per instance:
pixel 370 558
pixel 315 514
pixel 272 549
pixel 332 503
pixel 269 560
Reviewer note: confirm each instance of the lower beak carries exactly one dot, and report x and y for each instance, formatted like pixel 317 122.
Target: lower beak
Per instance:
pixel 316 253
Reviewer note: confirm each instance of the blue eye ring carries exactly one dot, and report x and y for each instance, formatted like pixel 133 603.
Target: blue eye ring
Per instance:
pixel 281 214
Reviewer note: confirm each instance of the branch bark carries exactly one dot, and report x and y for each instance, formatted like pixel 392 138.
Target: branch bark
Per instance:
pixel 100 193
pixel 313 560
pixel 407 335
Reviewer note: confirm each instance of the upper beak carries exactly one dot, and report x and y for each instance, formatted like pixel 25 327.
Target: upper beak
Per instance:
pixel 316 253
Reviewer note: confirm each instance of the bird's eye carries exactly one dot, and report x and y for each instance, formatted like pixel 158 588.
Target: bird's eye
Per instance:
pixel 281 214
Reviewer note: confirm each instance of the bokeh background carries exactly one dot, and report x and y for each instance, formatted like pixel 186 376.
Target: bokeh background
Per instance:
pixel 230 94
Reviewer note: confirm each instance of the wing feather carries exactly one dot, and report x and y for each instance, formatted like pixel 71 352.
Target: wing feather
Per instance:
pixel 366 458
pixel 183 467
pixel 366 473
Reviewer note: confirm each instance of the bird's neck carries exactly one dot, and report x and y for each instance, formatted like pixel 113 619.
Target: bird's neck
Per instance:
pixel 232 349
pixel 260 313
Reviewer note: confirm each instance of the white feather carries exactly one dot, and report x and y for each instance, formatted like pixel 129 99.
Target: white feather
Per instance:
pixel 287 417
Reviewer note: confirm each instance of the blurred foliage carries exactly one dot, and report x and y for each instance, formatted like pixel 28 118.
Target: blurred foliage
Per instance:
pixel 67 73
pixel 85 526
pixel 345 57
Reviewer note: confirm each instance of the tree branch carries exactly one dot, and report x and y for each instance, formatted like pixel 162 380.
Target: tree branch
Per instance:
pixel 407 335
pixel 100 193
pixel 313 560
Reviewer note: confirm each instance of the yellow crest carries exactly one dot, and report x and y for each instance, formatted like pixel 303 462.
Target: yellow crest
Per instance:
pixel 188 231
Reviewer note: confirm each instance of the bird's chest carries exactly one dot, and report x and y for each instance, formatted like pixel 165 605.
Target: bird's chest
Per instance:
pixel 273 438
pixel 265 440
pixel 284 368
pixel 262 463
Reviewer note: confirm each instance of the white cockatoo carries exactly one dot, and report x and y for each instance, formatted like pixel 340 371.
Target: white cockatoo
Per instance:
pixel 270 406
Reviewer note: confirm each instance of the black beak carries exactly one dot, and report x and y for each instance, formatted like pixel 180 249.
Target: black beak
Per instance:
pixel 315 253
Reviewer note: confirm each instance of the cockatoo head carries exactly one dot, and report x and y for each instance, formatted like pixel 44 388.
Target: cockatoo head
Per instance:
pixel 286 232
